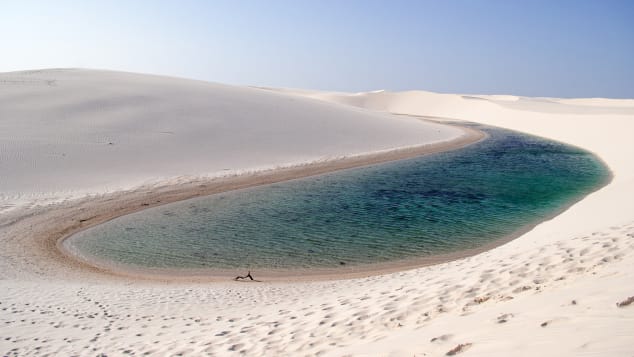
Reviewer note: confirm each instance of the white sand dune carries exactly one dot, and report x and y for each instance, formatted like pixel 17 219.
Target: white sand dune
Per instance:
pixel 67 133
pixel 552 292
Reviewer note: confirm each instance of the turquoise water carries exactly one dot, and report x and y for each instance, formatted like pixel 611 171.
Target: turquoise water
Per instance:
pixel 419 207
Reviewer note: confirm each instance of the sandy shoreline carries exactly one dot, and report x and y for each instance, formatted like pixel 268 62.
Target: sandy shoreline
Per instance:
pixel 49 229
pixel 554 291
pixel 321 274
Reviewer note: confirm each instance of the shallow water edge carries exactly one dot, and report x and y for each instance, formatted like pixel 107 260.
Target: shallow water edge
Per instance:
pixel 59 223
pixel 355 270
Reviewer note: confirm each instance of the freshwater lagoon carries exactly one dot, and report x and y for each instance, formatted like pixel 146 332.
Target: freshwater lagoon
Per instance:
pixel 416 208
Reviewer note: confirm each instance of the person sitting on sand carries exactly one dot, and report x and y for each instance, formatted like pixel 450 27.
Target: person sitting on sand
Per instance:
pixel 244 277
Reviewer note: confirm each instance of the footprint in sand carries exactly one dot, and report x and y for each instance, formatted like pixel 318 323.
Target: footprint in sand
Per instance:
pixel 504 318
pixel 442 338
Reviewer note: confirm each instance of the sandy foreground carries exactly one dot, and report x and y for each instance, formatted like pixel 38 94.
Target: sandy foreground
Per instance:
pixel 553 291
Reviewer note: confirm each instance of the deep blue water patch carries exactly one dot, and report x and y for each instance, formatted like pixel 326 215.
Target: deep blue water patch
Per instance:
pixel 419 207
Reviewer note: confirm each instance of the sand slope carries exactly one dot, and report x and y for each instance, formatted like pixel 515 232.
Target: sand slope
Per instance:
pixel 66 133
pixel 552 292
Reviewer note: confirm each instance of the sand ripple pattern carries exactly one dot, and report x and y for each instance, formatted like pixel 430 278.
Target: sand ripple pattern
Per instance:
pixel 291 320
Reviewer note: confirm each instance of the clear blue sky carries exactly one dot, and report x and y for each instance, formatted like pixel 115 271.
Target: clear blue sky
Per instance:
pixel 538 48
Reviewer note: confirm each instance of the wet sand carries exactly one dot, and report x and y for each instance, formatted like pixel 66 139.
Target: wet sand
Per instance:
pixel 48 229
